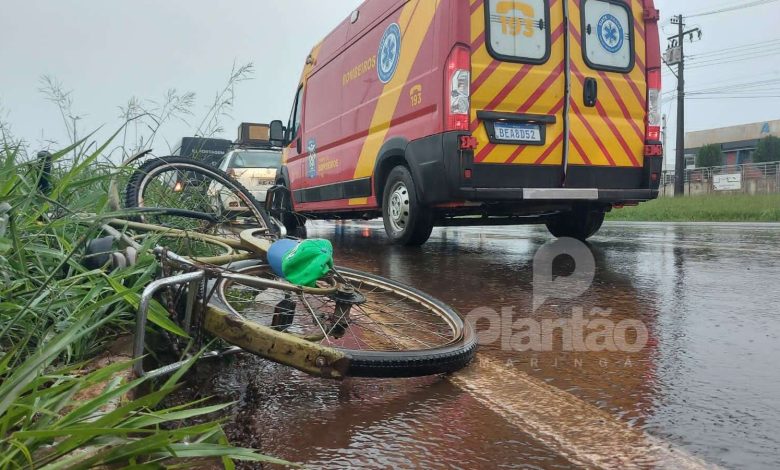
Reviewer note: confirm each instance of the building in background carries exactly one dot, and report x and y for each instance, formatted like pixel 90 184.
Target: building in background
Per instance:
pixel 737 142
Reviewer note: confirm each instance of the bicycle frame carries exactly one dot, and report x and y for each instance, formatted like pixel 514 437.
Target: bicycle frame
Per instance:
pixel 284 348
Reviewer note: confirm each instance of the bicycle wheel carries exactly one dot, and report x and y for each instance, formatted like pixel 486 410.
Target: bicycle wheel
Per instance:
pixel 183 183
pixel 391 330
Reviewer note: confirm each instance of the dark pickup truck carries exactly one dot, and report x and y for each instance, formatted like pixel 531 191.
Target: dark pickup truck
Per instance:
pixel 204 149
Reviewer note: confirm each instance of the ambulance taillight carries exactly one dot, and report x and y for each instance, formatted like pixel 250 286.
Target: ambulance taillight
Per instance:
pixel 458 87
pixel 653 106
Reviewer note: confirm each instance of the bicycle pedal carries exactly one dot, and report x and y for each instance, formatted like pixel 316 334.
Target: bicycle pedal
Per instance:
pixel 100 254
pixel 284 314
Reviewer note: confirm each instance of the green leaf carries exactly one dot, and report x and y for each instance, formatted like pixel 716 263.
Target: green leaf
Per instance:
pixel 28 371
pixel 216 450
pixel 157 314
pixel 162 417
pixel 87 431
pixel 5 245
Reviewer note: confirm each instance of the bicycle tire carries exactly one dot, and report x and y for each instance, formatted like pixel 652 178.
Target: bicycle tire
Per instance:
pixel 446 358
pixel 177 213
pixel 134 191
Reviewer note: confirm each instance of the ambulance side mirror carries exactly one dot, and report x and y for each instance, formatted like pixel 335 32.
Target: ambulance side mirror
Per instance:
pixel 277 131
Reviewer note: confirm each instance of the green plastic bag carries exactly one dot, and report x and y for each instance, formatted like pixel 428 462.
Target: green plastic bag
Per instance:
pixel 308 262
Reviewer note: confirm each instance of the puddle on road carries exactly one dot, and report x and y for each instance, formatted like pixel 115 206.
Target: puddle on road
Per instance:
pixel 416 423
pixel 704 385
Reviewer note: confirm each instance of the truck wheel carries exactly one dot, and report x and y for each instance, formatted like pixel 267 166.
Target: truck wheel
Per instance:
pixel 407 222
pixel 579 223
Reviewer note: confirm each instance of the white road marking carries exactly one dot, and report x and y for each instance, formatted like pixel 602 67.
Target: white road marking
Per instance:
pixel 579 431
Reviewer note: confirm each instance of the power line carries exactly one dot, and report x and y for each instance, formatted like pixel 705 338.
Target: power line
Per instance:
pixel 717 6
pixel 740 79
pixel 764 92
pixel 733 89
pixel 757 97
pixel 741 6
pixel 699 65
pixel 739 49
pixel 730 60
pixel 742 86
pixel 765 83
pixel 734 56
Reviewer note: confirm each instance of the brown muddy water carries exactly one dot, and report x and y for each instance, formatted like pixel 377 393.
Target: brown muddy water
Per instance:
pixel 695 384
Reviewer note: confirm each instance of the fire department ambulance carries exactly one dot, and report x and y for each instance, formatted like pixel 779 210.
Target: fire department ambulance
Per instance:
pixel 476 112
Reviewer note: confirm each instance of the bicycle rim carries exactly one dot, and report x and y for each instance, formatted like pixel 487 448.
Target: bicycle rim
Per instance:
pixel 395 331
pixel 180 183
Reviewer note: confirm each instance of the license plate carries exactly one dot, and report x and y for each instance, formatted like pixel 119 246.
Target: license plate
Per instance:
pixel 518 132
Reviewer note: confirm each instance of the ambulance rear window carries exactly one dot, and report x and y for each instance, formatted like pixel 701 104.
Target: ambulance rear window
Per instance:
pixel 518 31
pixel 608 38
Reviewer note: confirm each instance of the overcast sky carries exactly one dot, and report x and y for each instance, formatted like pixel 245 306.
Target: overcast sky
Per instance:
pixel 106 52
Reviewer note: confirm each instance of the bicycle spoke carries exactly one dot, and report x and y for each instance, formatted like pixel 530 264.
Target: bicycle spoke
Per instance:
pixel 313 316
pixel 386 320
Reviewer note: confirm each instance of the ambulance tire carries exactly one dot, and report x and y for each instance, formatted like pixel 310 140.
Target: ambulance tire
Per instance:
pixel 580 224
pixel 407 222
pixel 294 224
pixel 299 232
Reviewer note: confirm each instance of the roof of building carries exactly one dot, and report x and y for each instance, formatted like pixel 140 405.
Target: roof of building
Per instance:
pixel 725 135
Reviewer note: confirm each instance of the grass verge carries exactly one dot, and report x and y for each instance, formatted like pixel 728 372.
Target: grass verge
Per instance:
pixel 715 208
pixel 55 314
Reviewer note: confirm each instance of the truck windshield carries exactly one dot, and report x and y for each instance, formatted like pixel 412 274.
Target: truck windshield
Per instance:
pixel 256 159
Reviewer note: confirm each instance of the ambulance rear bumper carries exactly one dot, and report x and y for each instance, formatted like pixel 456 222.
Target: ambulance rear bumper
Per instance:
pixel 558 194
pixel 444 173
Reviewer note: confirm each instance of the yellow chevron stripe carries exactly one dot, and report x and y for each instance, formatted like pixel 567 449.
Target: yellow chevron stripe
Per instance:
pixel 588 143
pixel 624 128
pixel 501 76
pixel 480 59
pixel 575 157
pixel 413 31
pixel 502 153
pixel 638 75
pixel 477 21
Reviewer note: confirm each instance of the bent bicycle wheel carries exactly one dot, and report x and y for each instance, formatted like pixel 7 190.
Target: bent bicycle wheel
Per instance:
pixel 192 186
pixel 390 330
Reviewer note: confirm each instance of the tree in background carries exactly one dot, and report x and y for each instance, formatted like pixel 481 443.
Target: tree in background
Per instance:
pixel 708 156
pixel 768 150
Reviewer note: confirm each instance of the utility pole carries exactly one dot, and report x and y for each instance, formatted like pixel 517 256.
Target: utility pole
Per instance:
pixel 677 54
pixel 664 133
pixel 679 163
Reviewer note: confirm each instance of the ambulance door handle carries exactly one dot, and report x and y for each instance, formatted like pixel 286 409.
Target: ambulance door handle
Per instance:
pixel 298 145
pixel 591 94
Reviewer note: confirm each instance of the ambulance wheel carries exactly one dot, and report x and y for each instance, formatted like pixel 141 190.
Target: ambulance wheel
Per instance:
pixel 407 222
pixel 579 223
pixel 299 232
pixel 294 224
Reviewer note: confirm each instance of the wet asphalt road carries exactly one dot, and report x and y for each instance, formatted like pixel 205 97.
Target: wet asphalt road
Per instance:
pixel 700 389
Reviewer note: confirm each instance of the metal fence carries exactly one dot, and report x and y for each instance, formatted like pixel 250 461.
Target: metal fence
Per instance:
pixel 753 178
